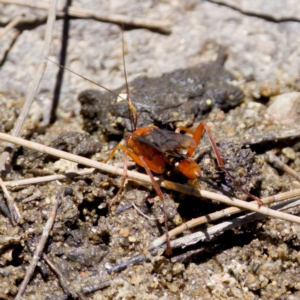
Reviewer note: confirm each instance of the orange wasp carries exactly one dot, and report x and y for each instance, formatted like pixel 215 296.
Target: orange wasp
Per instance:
pixel 153 148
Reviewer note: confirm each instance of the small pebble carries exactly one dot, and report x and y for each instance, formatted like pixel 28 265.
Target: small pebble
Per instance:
pixel 124 232
pixel 68 191
pixel 132 239
pixel 289 153
pixel 284 109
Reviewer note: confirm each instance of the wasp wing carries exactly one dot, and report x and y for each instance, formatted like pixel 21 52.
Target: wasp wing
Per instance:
pixel 167 142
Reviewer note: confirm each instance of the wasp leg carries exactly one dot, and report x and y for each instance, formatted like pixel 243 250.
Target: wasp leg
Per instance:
pixel 197 135
pixel 149 166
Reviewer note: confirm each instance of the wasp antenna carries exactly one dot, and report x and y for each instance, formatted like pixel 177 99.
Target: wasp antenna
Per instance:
pixel 85 78
pixel 133 111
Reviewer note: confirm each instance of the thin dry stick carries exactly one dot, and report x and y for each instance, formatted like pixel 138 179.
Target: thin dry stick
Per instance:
pixel 194 238
pixel 39 249
pixel 229 201
pixel 29 99
pixel 13 23
pixel 95 287
pixel 277 163
pixel 65 284
pixel 144 215
pixel 15 214
pixel 221 214
pixel 209 233
pixel 131 261
pixel 258 14
pixel 145 178
pixel 162 25
pixel 37 79
pixel 43 179
pixel 37 194
pixel 14 211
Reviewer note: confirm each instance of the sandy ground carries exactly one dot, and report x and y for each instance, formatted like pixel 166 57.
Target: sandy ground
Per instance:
pixel 259 260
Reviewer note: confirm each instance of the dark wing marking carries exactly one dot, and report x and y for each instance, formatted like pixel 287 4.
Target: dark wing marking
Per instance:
pixel 146 139
pixel 167 142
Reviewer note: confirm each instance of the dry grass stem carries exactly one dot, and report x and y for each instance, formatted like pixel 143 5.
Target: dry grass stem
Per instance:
pixel 96 287
pixel 230 201
pixel 65 284
pixel 277 163
pixel 14 211
pixel 141 213
pixel 196 237
pixel 137 259
pixel 209 233
pixel 37 194
pixel 264 15
pixel 42 179
pixel 221 214
pixel 145 178
pixel 13 23
pixel 15 214
pixel 36 81
pixel 39 249
pixel 162 25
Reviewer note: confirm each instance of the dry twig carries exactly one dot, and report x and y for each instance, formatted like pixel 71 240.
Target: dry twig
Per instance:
pixel 37 194
pixel 14 22
pixel 221 214
pixel 137 259
pixel 141 213
pixel 222 227
pixel 14 211
pixel 39 249
pixel 67 287
pixel 145 178
pixel 36 81
pixel 162 25
pixel 31 244
pixel 257 14
pixel 277 163
pixel 15 214
pixel 198 236
pixel 42 179
pixel 65 284
pixel 209 233
pixel 96 287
